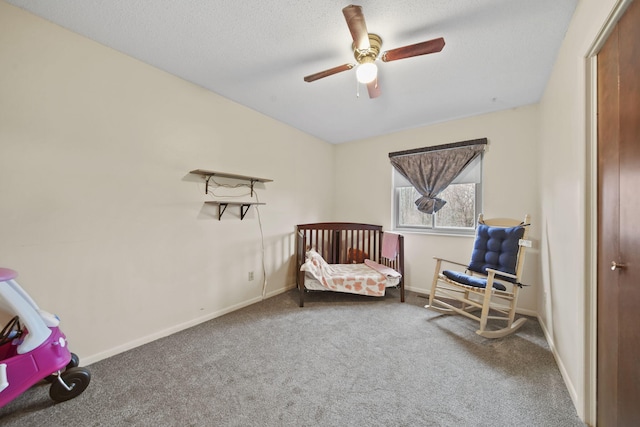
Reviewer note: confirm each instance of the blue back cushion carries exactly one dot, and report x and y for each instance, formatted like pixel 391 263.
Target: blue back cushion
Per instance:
pixel 496 248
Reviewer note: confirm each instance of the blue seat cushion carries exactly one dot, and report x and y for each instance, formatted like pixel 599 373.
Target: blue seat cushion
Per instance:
pixel 496 248
pixel 465 279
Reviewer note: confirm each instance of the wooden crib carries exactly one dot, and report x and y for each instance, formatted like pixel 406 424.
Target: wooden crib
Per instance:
pixel 345 243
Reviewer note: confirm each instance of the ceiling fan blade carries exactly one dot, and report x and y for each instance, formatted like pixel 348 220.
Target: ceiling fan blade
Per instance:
pixel 431 46
pixel 357 26
pixel 373 88
pixel 326 73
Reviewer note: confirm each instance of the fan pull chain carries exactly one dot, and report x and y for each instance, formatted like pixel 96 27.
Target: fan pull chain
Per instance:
pixel 357 89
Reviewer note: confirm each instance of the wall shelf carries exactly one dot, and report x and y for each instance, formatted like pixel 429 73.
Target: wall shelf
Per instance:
pixel 222 205
pixel 208 174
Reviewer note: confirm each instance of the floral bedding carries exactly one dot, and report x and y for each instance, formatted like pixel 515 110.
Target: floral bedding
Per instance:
pixel 363 279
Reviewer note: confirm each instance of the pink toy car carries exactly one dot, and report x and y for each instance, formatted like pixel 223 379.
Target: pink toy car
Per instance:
pixel 33 348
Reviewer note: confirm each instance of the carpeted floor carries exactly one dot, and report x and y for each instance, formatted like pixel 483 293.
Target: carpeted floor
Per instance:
pixel 342 360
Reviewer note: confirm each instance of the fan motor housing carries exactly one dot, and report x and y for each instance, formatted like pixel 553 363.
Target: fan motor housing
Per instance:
pixel 368 55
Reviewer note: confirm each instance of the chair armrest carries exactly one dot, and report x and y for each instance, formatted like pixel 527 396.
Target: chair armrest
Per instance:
pixel 501 273
pixel 450 262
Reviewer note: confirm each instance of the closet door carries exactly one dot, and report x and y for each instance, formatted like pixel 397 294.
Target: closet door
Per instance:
pixel 618 377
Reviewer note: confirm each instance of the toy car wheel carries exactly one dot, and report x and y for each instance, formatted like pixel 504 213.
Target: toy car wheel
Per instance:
pixel 77 380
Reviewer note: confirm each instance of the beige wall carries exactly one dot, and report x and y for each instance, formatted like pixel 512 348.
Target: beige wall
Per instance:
pixel 99 214
pixel 510 182
pixel 566 201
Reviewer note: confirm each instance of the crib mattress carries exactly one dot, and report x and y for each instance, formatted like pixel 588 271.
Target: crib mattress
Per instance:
pixel 363 279
pixel 313 284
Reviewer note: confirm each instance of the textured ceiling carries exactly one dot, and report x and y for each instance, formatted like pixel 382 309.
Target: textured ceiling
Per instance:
pixel 498 54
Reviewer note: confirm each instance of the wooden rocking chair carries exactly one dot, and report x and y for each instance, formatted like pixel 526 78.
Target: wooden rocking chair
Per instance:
pixel 498 254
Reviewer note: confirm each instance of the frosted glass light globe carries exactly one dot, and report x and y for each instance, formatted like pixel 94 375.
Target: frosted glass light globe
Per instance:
pixel 367 72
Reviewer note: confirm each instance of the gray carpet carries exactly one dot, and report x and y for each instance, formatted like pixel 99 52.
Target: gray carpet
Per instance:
pixel 342 360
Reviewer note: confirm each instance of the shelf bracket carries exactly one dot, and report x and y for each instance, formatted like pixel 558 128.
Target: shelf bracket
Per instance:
pixel 243 210
pixel 221 208
pixel 206 184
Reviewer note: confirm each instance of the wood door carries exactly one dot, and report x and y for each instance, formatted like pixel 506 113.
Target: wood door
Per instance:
pixel 618 371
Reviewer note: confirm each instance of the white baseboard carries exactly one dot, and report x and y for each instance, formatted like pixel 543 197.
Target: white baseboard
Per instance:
pixel 563 371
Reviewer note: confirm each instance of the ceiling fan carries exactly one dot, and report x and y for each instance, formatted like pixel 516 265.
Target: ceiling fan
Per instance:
pixel 366 48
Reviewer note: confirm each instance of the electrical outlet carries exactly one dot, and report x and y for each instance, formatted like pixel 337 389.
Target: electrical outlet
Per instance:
pixel 250 275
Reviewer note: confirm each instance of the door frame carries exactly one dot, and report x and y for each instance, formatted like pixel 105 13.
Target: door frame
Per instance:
pixel 591 200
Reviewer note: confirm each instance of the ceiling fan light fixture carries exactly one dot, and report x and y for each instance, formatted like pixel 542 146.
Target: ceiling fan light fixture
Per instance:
pixel 367 72
pixel 366 54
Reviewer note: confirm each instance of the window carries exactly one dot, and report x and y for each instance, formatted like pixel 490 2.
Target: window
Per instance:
pixel 463 198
